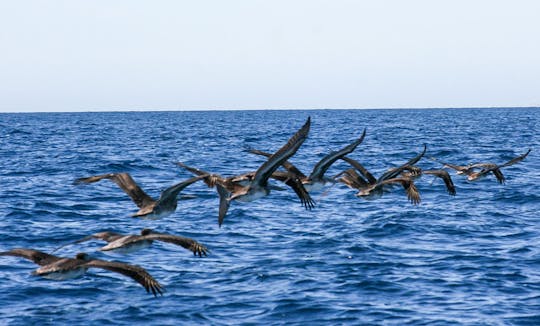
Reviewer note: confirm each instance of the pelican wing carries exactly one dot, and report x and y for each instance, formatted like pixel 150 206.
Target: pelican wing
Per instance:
pixel 459 168
pixel 126 183
pixel 209 179
pixel 498 174
pixel 393 173
pixel 412 192
pixel 287 165
pixel 355 164
pixel 224 203
pixel 324 164
pixel 446 178
pixel 292 180
pixel 486 169
pixel 172 192
pixel 352 179
pixel 105 236
pixel 267 168
pixel 188 243
pixel 38 257
pixel 137 273
pixel 515 160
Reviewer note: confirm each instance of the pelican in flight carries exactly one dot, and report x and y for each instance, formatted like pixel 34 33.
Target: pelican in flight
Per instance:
pixel 371 187
pixel 58 268
pixel 415 172
pixel 249 187
pixel 148 207
pixel 316 180
pixel 479 170
pixel 129 243
pixel 368 186
pixel 230 183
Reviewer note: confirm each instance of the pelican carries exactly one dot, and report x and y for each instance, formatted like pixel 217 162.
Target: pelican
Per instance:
pixel 58 268
pixel 414 172
pixel 148 207
pixel 251 187
pixel 230 183
pixel 373 188
pixel 369 186
pixel 316 180
pixel 479 170
pixel 129 243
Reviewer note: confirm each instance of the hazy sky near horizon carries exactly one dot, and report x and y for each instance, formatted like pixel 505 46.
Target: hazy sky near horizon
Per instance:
pixel 99 55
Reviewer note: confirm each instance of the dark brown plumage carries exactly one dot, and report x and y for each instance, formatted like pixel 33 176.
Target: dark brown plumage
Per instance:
pixel 59 268
pixel 129 243
pixel 479 170
pixel 316 179
pixel 164 205
pixel 369 186
pixel 251 186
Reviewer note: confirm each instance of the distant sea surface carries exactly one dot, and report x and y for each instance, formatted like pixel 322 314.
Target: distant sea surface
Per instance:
pixel 469 259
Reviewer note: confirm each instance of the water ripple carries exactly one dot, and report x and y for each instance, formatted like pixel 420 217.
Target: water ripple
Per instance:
pixel 469 259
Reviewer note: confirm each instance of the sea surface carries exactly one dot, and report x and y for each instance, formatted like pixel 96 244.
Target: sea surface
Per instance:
pixel 471 259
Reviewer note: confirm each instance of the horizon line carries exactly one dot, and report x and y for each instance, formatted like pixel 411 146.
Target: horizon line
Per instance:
pixel 272 109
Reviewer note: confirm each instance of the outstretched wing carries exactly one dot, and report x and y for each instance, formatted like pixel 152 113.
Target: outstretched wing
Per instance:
pixel 172 192
pixel 396 171
pixel 352 179
pixel 209 179
pixel 38 257
pixel 105 236
pixel 137 273
pixel 224 203
pixel 126 183
pixel 324 164
pixel 446 178
pixel 293 181
pixel 412 192
pixel 515 160
pixel 287 165
pixel 188 243
pixel 355 164
pixel 498 174
pixel 267 168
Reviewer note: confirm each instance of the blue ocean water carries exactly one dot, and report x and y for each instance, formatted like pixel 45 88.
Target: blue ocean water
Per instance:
pixel 469 259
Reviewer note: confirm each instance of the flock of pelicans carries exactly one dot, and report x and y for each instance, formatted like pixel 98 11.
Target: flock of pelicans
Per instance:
pixel 244 188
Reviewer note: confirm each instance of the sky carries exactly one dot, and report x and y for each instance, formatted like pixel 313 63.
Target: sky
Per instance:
pixel 116 55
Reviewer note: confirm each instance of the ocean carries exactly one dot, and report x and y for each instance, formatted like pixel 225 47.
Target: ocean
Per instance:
pixel 468 259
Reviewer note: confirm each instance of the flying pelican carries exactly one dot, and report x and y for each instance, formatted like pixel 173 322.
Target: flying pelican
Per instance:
pixel 148 207
pixel 129 243
pixel 414 172
pixel 479 170
pixel 369 186
pixel 230 183
pixel 58 268
pixel 250 188
pixel 369 189
pixel 316 180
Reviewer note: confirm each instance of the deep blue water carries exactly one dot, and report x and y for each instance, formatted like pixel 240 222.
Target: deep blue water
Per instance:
pixel 469 259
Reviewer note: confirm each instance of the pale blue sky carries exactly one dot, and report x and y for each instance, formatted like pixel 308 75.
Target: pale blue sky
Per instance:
pixel 169 55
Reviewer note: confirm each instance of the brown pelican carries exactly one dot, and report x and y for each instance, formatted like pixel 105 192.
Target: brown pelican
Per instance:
pixel 251 187
pixel 373 188
pixel 148 207
pixel 316 180
pixel 58 268
pixel 129 243
pixel 479 170
pixel 369 186
pixel 230 183
pixel 414 172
